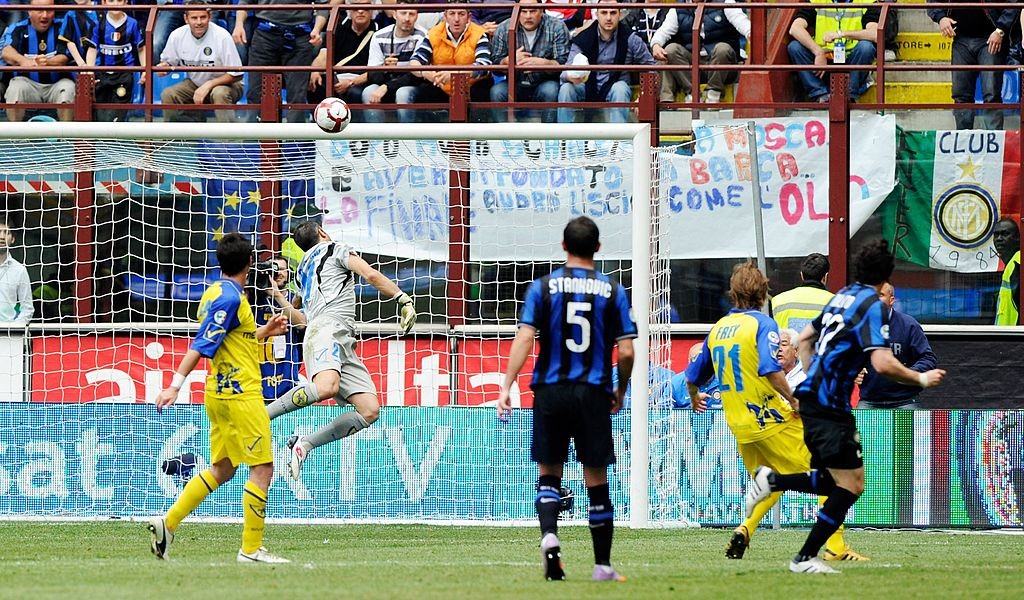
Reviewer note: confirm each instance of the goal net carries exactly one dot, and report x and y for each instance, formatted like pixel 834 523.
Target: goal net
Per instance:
pixel 116 228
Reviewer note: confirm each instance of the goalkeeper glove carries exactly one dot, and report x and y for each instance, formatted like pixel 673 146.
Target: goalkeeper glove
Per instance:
pixel 407 313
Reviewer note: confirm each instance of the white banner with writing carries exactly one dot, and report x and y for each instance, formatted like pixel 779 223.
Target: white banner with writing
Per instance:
pixel 391 197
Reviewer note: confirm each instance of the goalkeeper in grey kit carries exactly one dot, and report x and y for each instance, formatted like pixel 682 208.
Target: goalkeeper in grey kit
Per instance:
pixel 326 278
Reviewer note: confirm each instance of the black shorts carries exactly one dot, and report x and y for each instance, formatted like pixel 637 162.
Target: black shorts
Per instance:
pixel 833 444
pixel 572 410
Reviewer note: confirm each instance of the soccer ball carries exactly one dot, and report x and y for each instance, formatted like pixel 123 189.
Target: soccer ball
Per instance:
pixel 332 115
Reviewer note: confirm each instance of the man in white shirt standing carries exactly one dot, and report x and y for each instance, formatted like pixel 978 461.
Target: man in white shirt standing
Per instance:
pixel 15 288
pixel 200 43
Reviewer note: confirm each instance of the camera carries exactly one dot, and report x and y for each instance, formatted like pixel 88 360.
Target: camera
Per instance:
pixel 262 273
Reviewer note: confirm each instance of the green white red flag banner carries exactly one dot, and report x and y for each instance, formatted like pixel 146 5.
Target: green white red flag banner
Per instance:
pixel 951 189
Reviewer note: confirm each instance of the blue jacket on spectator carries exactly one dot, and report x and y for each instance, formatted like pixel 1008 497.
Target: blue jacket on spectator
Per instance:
pixel 910 346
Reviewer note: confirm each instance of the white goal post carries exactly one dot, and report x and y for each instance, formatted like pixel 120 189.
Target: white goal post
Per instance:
pixel 35 151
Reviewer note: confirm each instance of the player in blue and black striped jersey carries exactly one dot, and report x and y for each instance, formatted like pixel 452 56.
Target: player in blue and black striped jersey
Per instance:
pixel 580 316
pixel 851 331
pixel 116 42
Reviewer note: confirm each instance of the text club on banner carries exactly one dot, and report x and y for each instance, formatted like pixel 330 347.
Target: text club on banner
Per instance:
pixel 391 197
pixel 952 187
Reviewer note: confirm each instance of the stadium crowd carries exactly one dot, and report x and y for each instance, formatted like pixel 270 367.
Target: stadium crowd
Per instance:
pixel 395 33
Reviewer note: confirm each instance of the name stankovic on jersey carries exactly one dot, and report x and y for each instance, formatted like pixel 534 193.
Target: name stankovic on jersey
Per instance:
pixel 579 285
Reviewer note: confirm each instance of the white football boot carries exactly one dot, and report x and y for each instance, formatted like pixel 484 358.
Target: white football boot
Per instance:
pixel 261 555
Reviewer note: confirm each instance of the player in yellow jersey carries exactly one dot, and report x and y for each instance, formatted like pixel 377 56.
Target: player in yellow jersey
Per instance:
pixel 742 350
pixel 239 426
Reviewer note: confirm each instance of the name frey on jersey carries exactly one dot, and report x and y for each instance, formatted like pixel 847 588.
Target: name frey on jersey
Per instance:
pixel 579 285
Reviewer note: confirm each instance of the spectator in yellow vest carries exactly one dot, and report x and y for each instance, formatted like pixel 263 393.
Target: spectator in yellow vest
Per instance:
pixel 1006 239
pixel 798 307
pixel 841 36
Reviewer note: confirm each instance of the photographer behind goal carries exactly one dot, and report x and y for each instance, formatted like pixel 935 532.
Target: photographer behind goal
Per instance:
pixel 280 355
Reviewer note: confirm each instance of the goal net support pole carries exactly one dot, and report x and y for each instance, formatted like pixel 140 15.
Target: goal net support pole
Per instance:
pixel 640 460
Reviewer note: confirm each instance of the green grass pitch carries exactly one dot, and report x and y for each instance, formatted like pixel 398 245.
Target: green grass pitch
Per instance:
pixel 109 560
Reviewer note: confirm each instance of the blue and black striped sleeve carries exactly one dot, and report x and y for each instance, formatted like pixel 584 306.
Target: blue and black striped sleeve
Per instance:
pixel 532 304
pixel 424 53
pixel 482 52
pixel 874 329
pixel 626 326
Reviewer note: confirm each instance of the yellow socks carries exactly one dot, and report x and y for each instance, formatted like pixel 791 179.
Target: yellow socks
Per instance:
pixel 196 490
pixel 760 510
pixel 254 509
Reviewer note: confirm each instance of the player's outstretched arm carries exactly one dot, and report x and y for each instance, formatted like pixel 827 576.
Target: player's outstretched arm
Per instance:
pixel 884 363
pixel 388 288
pixel 521 348
pixel 170 393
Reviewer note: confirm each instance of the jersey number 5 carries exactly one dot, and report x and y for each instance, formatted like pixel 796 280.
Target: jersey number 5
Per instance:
pixel 576 314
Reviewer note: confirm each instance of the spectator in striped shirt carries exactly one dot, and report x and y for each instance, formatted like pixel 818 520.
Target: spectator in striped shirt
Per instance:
pixel 540 40
pixel 454 41
pixel 34 43
pixel 78 26
pixel 394 45
pixel 117 41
